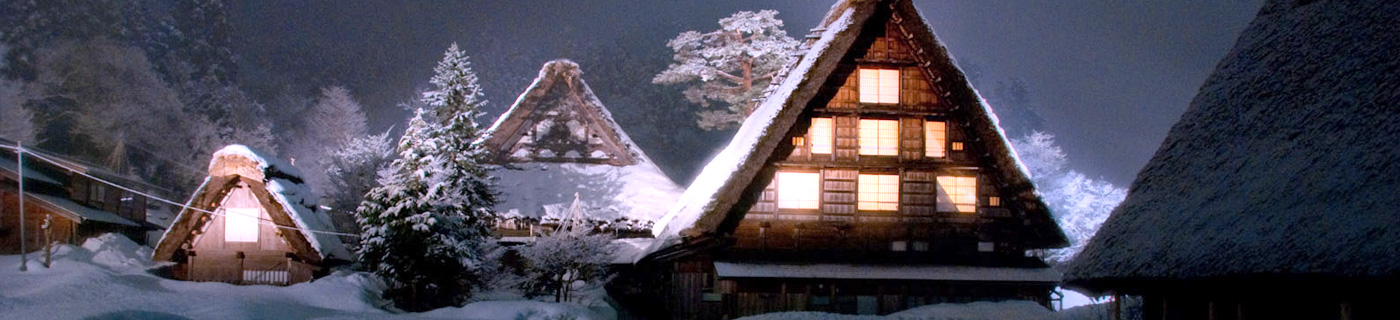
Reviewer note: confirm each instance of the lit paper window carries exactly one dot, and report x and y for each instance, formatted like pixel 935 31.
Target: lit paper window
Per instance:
pixel 798 190
pixel 935 134
pixel 879 137
pixel 241 224
pixel 957 194
pixel 821 135
pixel 878 192
pixel 879 86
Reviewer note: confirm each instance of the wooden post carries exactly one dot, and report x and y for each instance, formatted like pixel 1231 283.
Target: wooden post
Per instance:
pixel 1117 310
pixel 48 240
pixel 19 165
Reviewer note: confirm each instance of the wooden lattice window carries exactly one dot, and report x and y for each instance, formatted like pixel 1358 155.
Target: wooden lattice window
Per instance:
pixel 821 135
pixel 879 86
pixel 878 192
pixel 935 135
pixel 879 137
pixel 799 190
pixel 957 194
pixel 241 224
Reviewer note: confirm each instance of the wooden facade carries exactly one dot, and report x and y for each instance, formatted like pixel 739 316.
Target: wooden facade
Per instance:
pixel 257 234
pixel 79 207
pixel 899 192
pixel 558 119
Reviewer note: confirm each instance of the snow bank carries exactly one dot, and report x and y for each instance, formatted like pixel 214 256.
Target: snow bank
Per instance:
pixel 1021 310
pixel 107 278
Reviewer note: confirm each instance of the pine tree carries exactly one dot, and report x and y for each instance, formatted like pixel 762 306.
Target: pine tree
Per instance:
pixel 426 228
pixel 352 170
pixel 731 66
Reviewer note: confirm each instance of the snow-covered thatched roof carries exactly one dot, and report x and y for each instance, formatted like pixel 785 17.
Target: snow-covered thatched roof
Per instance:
pixel 627 190
pixel 289 202
pixel 709 199
pixel 1284 165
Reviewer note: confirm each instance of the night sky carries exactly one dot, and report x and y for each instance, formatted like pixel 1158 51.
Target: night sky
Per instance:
pixel 1108 77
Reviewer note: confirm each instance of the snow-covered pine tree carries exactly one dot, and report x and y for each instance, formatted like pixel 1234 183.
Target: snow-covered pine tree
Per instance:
pixel 1080 204
pixel 426 228
pixel 729 66
pixel 329 125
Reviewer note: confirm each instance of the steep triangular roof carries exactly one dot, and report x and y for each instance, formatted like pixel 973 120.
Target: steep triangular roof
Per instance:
pixel 625 189
pixel 709 200
pixel 1284 165
pixel 558 114
pixel 277 186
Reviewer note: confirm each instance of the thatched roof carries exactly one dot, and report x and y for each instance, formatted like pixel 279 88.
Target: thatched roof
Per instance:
pixel 274 183
pixel 626 191
pixel 1284 166
pixel 709 200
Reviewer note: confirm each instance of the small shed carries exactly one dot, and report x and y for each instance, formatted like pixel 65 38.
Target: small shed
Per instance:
pixel 254 221
pixel 68 194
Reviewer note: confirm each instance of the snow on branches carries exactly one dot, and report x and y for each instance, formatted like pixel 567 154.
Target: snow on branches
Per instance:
pixel 1080 204
pixel 730 66
pixel 426 228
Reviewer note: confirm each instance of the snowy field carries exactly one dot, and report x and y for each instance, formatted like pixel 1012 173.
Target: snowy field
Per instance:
pixel 106 278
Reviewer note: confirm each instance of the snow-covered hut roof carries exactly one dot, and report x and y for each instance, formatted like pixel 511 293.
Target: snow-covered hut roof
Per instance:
pixel 709 199
pixel 288 201
pixel 1284 165
pixel 626 190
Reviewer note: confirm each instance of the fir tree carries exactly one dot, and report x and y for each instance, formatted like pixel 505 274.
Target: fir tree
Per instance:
pixel 426 228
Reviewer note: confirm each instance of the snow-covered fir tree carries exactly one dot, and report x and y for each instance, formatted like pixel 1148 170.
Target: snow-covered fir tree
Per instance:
pixel 16 121
pixel 329 125
pixel 729 66
pixel 351 171
pixel 1080 204
pixel 426 228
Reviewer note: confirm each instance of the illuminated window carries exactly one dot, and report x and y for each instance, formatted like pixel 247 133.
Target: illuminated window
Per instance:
pixel 798 190
pixel 957 194
pixel 879 137
pixel 879 86
pixel 878 192
pixel 993 201
pixel 821 135
pixel 241 224
pixel 899 246
pixel 957 146
pixel 935 134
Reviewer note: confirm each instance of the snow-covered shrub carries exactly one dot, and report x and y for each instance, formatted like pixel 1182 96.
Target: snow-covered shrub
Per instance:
pixel 559 259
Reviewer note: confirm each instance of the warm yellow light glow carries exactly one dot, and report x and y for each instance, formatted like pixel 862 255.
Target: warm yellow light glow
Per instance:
pixel 879 137
pixel 993 201
pixel 957 146
pixel 879 86
pixel 957 194
pixel 798 190
pixel 241 224
pixel 935 134
pixel 798 141
pixel 821 135
pixel 878 192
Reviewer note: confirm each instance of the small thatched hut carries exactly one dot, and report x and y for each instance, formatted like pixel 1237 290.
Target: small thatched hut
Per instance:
pixel 265 227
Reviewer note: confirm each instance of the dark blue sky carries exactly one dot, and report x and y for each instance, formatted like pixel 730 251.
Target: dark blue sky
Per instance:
pixel 1109 77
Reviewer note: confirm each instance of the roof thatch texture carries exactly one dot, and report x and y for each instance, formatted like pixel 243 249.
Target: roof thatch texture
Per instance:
pixel 1284 165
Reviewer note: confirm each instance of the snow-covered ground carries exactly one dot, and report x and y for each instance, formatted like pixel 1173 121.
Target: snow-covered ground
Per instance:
pixel 106 278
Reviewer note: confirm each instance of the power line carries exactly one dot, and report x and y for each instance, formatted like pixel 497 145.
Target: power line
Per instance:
pixel 149 196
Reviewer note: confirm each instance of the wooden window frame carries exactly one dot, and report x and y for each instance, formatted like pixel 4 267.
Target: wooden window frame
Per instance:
pixel 879 96
pixel 815 197
pixel 877 205
pixel 957 183
pixel 880 140
pixel 935 148
pixel 821 139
